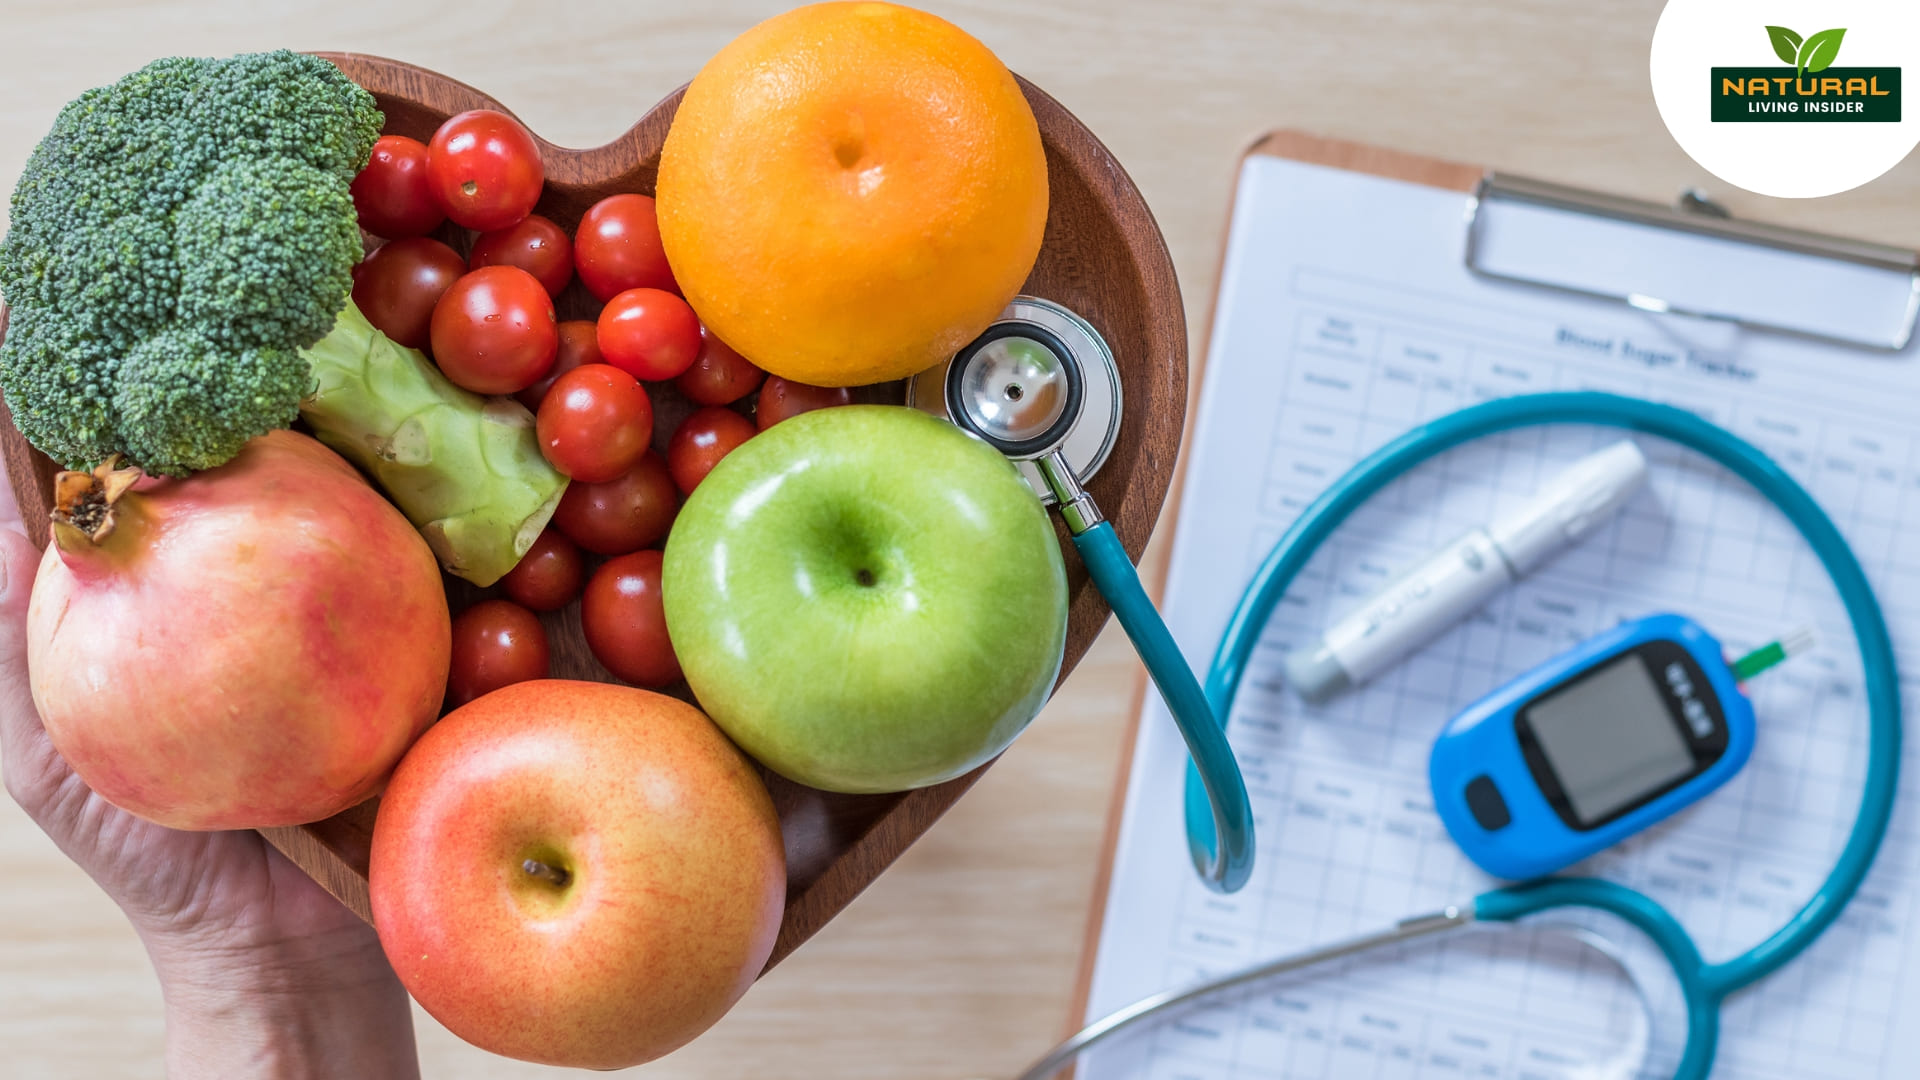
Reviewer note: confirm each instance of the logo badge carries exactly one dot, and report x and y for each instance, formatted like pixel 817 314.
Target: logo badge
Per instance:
pixel 1804 127
pixel 1810 88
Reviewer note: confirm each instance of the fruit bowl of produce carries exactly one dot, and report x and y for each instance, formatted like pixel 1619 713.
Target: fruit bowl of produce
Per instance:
pixel 506 330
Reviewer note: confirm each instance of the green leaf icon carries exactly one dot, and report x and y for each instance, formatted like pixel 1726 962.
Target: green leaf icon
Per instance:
pixel 1786 43
pixel 1818 51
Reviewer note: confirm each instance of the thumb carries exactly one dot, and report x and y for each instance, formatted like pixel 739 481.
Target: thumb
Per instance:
pixel 27 758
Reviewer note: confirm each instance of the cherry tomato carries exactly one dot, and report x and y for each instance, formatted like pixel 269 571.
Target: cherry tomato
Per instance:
pixel 493 331
pixel 625 625
pixel 617 247
pixel 578 346
pixel 392 195
pixel 496 643
pixel 719 375
pixel 536 245
pixel 548 576
pixel 703 439
pixel 595 423
pixel 398 285
pixel 485 169
pixel 781 399
pixel 629 512
pixel 650 334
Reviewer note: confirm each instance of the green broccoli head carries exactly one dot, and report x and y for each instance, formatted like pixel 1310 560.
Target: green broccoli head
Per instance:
pixel 174 241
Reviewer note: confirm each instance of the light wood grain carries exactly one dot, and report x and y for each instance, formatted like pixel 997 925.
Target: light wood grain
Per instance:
pixel 959 961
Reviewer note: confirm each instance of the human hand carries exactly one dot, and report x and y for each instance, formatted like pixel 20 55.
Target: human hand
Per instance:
pixel 262 972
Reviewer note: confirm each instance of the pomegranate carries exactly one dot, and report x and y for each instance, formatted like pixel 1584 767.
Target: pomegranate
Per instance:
pixel 255 645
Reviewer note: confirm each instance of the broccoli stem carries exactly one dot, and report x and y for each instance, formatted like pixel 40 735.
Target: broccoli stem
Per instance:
pixel 465 469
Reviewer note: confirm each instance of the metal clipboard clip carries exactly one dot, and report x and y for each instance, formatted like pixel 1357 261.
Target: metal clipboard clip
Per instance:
pixel 1776 279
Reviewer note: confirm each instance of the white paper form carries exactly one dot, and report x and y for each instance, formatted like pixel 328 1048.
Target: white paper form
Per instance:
pixel 1345 316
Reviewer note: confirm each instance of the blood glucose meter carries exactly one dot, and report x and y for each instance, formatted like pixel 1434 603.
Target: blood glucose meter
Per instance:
pixel 1591 747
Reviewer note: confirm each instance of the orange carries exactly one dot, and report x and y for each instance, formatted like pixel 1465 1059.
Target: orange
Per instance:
pixel 850 192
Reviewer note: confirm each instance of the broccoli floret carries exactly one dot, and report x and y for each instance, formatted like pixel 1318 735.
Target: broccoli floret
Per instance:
pixel 174 241
pixel 172 381
pixel 258 246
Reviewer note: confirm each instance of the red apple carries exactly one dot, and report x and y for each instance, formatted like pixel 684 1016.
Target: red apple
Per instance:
pixel 577 874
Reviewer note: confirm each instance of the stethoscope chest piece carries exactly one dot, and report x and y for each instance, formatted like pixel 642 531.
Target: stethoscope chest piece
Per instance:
pixel 1039 379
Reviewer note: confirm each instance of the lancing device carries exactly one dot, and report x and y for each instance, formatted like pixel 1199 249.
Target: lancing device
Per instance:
pixel 1458 578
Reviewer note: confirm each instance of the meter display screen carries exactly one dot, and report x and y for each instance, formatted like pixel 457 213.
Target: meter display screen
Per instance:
pixel 1611 739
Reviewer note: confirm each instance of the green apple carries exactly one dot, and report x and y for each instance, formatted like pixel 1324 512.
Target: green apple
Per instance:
pixel 866 599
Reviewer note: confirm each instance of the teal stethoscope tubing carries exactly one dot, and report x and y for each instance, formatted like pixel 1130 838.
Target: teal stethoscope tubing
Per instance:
pixel 1215 788
pixel 1703 985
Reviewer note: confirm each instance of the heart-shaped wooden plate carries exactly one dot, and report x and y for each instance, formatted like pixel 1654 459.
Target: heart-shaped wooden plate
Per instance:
pixel 1103 256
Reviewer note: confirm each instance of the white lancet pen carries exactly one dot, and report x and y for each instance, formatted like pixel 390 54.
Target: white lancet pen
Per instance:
pixel 1449 584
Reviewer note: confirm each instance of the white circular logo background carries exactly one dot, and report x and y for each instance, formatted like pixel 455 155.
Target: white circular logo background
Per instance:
pixel 1789 159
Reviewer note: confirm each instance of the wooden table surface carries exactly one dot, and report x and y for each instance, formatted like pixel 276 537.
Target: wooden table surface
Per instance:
pixel 960 961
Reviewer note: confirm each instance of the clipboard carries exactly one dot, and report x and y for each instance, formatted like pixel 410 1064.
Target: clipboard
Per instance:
pixel 1892 272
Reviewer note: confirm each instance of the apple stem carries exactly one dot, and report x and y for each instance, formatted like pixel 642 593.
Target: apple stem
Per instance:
pixel 553 875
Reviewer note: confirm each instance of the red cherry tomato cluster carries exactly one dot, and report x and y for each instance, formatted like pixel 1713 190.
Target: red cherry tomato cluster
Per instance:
pixel 490 322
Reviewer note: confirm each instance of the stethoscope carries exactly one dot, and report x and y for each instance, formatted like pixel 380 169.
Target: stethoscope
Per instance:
pixel 1040 386
pixel 1023 387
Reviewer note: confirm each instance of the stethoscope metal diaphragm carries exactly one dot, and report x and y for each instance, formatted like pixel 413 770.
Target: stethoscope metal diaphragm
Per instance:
pixel 1017 386
pixel 1039 379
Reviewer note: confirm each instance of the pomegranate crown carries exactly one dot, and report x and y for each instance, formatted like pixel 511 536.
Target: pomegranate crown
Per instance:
pixel 83 502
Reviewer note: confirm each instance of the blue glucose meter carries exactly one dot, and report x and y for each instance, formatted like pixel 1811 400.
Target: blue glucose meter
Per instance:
pixel 1591 747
